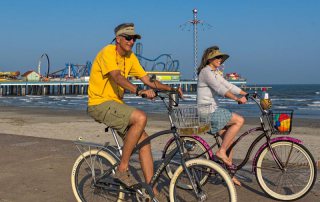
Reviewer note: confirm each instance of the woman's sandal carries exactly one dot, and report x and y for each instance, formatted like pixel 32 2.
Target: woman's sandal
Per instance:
pixel 225 160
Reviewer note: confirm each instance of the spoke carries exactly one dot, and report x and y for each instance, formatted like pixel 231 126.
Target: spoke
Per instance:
pixel 289 155
pixel 267 168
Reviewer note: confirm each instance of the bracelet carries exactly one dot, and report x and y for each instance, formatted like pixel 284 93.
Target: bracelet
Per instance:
pixel 137 90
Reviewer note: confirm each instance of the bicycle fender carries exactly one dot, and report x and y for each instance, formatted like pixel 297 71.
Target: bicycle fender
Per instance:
pixel 205 144
pixel 277 139
pixel 198 138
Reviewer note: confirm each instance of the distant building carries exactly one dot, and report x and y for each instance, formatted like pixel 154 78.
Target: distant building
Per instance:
pixel 31 76
pixel 163 76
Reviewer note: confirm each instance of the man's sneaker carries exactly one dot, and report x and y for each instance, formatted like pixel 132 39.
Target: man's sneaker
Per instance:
pixel 161 197
pixel 126 178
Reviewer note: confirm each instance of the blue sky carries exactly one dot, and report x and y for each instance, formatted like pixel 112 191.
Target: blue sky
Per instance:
pixel 270 42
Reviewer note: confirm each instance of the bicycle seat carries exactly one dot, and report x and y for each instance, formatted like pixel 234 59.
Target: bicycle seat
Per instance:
pixel 213 134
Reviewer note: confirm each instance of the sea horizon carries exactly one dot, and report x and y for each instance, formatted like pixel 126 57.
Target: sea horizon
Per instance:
pixel 304 99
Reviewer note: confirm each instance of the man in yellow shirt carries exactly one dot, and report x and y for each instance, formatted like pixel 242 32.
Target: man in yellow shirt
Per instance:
pixel 108 80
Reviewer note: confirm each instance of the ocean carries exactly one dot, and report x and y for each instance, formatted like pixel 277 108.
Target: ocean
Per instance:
pixel 303 99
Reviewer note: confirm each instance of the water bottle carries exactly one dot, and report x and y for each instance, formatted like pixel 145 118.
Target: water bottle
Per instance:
pixel 265 94
pixel 174 98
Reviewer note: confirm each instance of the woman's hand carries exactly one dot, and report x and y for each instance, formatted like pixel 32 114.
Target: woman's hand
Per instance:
pixel 242 100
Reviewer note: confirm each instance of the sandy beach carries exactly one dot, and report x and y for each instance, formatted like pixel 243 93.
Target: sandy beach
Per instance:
pixel 48 154
pixel 70 125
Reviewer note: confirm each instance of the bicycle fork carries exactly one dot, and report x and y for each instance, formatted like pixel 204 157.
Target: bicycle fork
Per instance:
pixel 194 180
pixel 282 166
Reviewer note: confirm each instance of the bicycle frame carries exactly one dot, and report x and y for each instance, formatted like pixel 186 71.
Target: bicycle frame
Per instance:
pixel 164 162
pixel 267 133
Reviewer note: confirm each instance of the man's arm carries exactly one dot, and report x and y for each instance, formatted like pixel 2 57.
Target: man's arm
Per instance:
pixel 158 85
pixel 122 81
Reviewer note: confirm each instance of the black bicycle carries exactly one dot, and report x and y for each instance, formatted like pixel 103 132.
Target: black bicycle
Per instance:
pixel 92 173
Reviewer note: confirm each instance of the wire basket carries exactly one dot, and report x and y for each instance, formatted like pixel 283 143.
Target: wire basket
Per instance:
pixel 191 119
pixel 281 121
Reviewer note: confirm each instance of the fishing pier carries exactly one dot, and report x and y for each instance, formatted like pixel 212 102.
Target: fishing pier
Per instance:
pixel 67 87
pixel 22 88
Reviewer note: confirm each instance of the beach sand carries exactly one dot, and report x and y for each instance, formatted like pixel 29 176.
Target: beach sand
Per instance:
pixel 46 161
pixel 70 125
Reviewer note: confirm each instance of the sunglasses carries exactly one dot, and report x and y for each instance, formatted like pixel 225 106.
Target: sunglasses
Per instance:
pixel 219 57
pixel 129 38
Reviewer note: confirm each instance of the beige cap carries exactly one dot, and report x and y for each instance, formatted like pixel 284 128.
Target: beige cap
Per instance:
pixel 126 29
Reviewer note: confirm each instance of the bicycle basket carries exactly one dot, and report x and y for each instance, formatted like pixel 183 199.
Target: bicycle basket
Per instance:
pixel 281 121
pixel 191 119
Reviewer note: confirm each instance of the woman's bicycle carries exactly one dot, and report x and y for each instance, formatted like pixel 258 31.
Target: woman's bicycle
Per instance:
pixel 284 168
pixel 92 173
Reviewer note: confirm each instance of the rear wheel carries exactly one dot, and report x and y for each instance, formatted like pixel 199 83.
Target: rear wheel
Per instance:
pixel 219 186
pixel 295 180
pixel 89 169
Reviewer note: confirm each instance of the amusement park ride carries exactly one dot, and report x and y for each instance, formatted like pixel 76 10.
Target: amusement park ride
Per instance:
pixel 164 66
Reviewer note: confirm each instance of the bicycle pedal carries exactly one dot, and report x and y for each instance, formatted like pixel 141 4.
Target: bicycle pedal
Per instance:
pixel 240 176
pixel 109 181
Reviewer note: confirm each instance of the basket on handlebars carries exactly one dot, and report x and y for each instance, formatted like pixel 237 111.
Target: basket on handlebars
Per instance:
pixel 191 119
pixel 281 121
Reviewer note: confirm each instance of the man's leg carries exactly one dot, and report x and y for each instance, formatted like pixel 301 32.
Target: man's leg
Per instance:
pixel 137 123
pixel 146 159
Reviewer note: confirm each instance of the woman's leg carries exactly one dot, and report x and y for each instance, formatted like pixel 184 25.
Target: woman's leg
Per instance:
pixel 234 125
pixel 236 122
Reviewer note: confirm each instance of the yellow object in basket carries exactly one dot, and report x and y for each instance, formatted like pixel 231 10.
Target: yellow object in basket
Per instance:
pixel 265 104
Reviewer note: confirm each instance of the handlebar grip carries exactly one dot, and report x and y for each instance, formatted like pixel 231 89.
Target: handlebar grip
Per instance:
pixel 247 96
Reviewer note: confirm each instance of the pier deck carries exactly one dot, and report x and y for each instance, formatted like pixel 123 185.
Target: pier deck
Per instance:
pixel 22 88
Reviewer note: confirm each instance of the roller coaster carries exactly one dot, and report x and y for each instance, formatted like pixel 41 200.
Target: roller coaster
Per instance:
pixel 162 63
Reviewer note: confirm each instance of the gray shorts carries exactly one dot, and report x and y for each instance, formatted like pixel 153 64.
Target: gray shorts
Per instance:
pixel 219 119
pixel 113 114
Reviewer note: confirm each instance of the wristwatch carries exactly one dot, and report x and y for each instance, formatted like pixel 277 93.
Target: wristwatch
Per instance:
pixel 137 90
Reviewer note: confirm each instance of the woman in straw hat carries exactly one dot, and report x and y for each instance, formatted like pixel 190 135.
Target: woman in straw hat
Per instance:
pixel 211 84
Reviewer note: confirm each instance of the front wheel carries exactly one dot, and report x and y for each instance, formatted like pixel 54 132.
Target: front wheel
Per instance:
pixel 219 186
pixel 194 149
pixel 90 168
pixel 297 177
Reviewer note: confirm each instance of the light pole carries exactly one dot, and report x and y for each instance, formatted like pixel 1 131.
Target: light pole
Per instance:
pixel 195 22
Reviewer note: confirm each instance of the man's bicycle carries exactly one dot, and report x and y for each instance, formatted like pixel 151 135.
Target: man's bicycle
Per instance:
pixel 92 173
pixel 284 168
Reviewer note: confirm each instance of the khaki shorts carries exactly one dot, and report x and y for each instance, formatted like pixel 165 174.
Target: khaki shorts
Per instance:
pixel 113 114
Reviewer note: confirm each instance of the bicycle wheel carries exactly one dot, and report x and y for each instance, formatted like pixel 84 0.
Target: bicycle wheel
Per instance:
pixel 87 170
pixel 219 186
pixel 194 149
pixel 295 180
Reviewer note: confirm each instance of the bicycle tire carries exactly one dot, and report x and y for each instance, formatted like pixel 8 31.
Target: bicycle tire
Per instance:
pixel 218 187
pixel 300 169
pixel 82 179
pixel 198 149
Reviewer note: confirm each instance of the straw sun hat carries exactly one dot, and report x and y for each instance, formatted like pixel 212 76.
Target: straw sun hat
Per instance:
pixel 216 53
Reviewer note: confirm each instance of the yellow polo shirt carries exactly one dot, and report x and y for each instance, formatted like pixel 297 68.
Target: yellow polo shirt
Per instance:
pixel 101 86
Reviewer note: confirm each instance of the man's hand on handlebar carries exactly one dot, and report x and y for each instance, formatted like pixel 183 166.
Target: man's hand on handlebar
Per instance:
pixel 179 90
pixel 150 94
